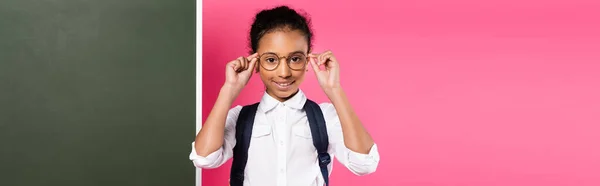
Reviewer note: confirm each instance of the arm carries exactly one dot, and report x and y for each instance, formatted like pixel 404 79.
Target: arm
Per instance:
pixel 349 140
pixel 214 143
pixel 356 137
pixel 359 163
pixel 211 135
pixel 216 158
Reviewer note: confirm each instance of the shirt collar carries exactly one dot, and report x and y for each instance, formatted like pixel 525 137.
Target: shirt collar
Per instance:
pixel 268 103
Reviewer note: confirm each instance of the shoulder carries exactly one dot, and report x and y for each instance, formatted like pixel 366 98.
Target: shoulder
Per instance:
pixel 232 116
pixel 236 109
pixel 234 112
pixel 326 106
pixel 328 110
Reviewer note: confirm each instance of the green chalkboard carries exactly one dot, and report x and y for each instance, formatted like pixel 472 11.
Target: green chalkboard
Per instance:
pixel 97 92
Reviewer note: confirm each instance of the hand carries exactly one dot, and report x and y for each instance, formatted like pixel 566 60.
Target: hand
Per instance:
pixel 239 71
pixel 329 78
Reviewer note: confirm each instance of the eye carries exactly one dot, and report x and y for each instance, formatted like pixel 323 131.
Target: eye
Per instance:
pixel 297 59
pixel 271 60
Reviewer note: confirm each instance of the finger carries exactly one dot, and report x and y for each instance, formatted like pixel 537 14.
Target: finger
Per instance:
pixel 243 63
pixel 238 65
pixel 324 57
pixel 252 56
pixel 315 56
pixel 328 52
pixel 246 64
pixel 327 56
pixel 252 64
pixel 314 65
pixel 231 65
pixel 321 59
pixel 312 57
pixel 330 60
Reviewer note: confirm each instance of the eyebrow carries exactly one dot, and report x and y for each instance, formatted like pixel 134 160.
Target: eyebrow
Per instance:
pixel 294 52
pixel 297 51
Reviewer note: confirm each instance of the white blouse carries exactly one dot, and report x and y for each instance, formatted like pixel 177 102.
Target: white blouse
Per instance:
pixel 281 150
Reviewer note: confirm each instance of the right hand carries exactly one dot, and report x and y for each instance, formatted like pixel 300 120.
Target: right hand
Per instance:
pixel 239 71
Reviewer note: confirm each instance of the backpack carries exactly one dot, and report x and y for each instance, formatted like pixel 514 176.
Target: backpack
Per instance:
pixel 243 135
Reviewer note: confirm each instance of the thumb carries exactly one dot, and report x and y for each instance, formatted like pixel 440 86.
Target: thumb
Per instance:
pixel 252 65
pixel 231 67
pixel 314 65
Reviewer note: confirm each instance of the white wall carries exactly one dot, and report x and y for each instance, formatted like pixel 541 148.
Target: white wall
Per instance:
pixel 198 78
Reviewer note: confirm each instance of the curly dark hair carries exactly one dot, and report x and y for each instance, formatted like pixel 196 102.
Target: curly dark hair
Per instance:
pixel 279 18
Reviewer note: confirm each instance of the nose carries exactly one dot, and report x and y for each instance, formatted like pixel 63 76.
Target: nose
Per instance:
pixel 283 70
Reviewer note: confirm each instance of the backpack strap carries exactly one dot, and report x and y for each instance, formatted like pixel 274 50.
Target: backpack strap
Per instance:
pixel 318 129
pixel 243 135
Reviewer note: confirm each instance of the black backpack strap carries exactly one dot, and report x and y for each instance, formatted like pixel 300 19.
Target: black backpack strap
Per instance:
pixel 243 133
pixel 318 129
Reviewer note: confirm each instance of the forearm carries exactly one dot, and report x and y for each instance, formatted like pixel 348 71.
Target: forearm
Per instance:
pixel 356 137
pixel 211 135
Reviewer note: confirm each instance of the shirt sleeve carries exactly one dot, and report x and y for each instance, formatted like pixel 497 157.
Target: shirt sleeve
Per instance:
pixel 225 152
pixel 358 163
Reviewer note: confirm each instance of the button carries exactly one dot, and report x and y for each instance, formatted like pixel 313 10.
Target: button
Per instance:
pixel 281 170
pixel 281 143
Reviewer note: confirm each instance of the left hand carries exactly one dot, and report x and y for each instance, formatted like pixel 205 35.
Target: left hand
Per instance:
pixel 329 78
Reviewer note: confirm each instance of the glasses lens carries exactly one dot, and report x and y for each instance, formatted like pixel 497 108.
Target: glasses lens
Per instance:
pixel 297 61
pixel 269 61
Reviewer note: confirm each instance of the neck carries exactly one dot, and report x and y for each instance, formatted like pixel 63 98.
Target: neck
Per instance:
pixel 282 99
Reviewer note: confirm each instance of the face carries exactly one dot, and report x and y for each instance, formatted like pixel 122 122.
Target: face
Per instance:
pixel 282 82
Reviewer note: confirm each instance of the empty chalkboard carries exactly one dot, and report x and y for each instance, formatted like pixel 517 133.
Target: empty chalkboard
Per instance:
pixel 96 92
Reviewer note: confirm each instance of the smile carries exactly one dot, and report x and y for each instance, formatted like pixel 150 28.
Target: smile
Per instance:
pixel 284 85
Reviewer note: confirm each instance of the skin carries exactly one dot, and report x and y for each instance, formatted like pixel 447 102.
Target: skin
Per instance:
pixel 282 42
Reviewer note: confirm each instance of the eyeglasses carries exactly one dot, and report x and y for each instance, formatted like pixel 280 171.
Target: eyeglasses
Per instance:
pixel 270 61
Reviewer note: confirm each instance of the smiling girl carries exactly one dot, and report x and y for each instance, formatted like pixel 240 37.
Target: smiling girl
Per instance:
pixel 280 146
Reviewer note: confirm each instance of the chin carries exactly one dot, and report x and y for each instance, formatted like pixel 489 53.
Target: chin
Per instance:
pixel 284 94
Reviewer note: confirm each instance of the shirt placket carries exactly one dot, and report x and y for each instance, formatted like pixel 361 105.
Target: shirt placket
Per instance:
pixel 281 147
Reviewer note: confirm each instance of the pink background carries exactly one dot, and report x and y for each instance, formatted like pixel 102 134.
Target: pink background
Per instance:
pixel 461 92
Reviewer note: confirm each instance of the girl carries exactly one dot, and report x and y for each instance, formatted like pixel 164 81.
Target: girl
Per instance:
pixel 281 150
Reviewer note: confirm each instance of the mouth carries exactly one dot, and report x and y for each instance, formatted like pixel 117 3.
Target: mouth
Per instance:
pixel 284 85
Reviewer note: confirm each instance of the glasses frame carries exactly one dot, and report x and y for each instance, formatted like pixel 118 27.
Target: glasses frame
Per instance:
pixel 287 60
